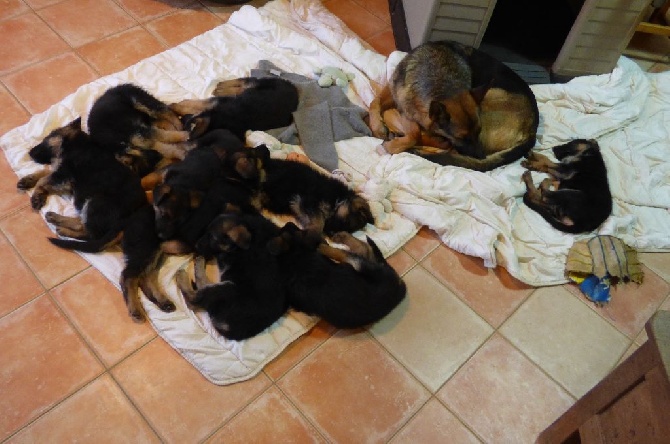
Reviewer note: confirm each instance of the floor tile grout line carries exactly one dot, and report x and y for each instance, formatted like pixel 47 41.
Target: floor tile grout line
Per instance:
pixel 78 387
pixel 304 415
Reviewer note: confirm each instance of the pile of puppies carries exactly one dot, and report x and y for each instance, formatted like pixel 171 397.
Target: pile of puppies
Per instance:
pixel 176 179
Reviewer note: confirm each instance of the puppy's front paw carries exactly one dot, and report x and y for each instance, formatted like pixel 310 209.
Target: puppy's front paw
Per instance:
pixel 38 200
pixel 26 183
pixel 166 306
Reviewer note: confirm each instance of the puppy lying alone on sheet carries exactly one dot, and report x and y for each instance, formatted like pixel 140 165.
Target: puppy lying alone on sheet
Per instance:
pixel 581 199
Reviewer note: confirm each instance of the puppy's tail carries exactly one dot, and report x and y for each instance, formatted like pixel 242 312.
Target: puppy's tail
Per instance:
pixel 490 162
pixel 89 246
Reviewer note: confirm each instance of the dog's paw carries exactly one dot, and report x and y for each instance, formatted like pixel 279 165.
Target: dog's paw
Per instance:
pixel 166 306
pixel 525 163
pixel 26 183
pixel 137 316
pixel 50 217
pixel 38 200
pixel 527 177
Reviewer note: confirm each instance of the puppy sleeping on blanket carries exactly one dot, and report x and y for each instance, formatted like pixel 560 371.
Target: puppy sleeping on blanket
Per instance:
pixel 111 204
pixel 581 199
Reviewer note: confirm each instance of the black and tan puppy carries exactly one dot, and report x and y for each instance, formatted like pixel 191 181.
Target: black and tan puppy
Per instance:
pixel 239 105
pixel 142 256
pixel 581 199
pixel 249 297
pixel 105 192
pixel 349 289
pixel 192 192
pixel 318 202
pixel 112 206
pixel 128 117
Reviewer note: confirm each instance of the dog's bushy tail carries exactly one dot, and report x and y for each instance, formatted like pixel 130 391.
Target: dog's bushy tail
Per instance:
pixel 490 162
pixel 89 246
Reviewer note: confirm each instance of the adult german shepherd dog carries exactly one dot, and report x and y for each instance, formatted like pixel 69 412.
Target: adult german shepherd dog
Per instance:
pixel 483 113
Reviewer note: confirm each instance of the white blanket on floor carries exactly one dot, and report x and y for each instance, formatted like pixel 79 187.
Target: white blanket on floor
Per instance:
pixel 480 214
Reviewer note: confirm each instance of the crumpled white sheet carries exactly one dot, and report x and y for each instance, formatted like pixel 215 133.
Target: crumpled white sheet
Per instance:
pixel 480 214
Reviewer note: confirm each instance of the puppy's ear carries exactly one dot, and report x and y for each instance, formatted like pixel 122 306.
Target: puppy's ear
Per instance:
pixel 438 114
pixel 262 151
pixel 240 236
pixel 246 167
pixel 76 124
pixel 160 192
pixel 361 207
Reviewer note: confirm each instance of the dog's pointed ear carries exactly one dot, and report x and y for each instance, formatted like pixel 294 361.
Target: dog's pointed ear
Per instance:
pixel 76 124
pixel 159 192
pixel 438 113
pixel 262 152
pixel 240 237
pixel 246 167
pixel 479 92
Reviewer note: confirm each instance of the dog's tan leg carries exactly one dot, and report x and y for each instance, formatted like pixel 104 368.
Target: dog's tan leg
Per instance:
pixel 149 285
pixel 185 286
pixel 44 188
pixel 169 136
pixel 130 289
pixel 340 256
pixel 546 185
pixel 193 106
pixel 355 246
pixel 200 271
pixel 379 104
pixel 533 193
pixel 230 88
pixel 401 144
pixel 67 226
pixel 30 181
pixel 538 162
pixel 171 150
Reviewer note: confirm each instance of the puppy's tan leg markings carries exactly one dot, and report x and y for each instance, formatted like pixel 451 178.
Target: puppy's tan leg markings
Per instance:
pixel 200 272
pixel 186 286
pixel 130 287
pixel 169 136
pixel 230 88
pixel 355 246
pixel 538 162
pixel 192 106
pixel 30 181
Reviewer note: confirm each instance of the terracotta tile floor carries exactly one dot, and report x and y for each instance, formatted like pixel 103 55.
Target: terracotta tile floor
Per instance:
pixel 471 356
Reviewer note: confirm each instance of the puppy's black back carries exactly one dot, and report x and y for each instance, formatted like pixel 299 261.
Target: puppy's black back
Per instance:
pixel 114 118
pixel 268 104
pixel 338 293
pixel 250 297
pixel 583 195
